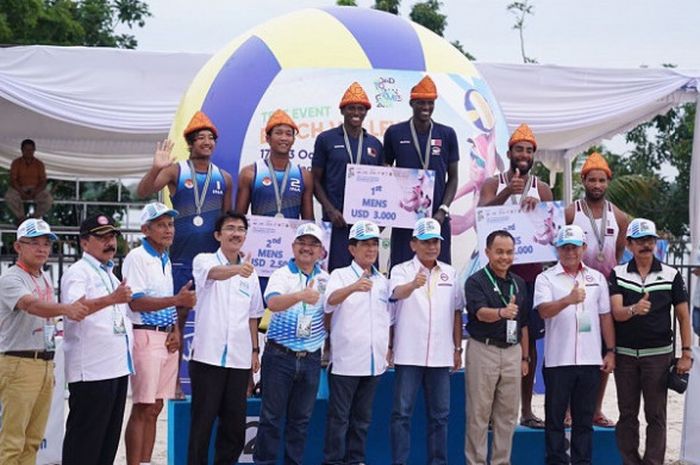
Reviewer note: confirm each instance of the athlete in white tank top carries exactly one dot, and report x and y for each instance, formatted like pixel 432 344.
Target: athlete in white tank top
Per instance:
pixel 530 191
pixel 598 256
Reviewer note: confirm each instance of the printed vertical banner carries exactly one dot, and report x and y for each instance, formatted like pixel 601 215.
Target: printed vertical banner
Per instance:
pixel 395 197
pixel 534 231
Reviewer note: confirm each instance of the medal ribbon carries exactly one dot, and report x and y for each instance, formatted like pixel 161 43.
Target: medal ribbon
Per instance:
pixel 279 192
pixel 199 199
pixel 423 156
pixel 599 233
pixel 358 157
pixel 512 291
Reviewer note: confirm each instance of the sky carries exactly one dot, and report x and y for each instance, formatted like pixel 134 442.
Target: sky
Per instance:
pixel 602 33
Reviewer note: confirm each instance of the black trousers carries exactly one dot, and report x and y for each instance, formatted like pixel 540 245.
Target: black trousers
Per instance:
pixel 217 392
pixel 94 422
pixel 577 386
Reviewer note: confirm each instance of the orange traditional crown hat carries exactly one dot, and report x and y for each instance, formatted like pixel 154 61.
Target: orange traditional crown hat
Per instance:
pixel 355 94
pixel 424 90
pixel 595 161
pixel 280 117
pixel 198 122
pixel 522 134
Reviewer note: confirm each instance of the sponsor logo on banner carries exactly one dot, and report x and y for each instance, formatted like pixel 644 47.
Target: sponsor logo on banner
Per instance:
pixel 387 92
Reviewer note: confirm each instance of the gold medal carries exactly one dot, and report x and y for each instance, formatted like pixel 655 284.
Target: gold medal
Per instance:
pixel 600 257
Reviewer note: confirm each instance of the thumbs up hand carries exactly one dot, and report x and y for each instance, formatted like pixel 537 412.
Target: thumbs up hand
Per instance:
pixel 122 294
pixel 246 268
pixel 364 284
pixel 511 310
pixel 517 183
pixel 643 306
pixel 420 279
pixel 186 298
pixel 577 294
pixel 310 295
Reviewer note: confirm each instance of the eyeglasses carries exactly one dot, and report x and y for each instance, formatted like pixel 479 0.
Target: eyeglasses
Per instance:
pixel 313 245
pixel 242 229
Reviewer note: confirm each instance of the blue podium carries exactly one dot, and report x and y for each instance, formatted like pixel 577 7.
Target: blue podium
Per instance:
pixel 528 444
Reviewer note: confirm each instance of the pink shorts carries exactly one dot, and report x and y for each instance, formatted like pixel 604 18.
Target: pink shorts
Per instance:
pixel 156 368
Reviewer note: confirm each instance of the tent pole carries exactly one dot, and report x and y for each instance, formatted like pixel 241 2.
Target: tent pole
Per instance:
pixel 694 203
pixel 568 180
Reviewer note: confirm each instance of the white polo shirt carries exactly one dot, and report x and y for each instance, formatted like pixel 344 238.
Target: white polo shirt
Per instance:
pixel 222 314
pixel 150 274
pixel 424 322
pixel 94 350
pixel 359 324
pixel 573 337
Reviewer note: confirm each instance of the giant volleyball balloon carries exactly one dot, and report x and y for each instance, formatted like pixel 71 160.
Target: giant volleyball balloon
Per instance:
pixel 303 62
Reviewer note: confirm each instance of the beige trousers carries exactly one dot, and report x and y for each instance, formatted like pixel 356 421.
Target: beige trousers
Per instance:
pixel 43 201
pixel 26 387
pixel 493 377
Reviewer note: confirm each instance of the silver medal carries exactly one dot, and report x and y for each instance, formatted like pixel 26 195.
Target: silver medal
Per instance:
pixel 279 215
pixel 198 221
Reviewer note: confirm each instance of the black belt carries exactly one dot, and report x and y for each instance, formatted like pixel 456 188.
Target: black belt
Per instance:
pixel 35 354
pixel 160 329
pixel 489 341
pixel 287 350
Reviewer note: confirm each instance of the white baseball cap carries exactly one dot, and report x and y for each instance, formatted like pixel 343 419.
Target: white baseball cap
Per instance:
pixel 309 229
pixel 34 227
pixel 641 227
pixel 155 210
pixel 364 230
pixel 570 234
pixel 427 228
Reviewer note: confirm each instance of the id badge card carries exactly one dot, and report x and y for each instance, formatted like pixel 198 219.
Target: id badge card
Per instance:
pixel 118 322
pixel 511 331
pixel 49 336
pixel 304 326
pixel 584 322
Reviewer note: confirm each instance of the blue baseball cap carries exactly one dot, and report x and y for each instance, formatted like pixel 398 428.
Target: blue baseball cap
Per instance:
pixel 641 227
pixel 570 234
pixel 427 228
pixel 35 227
pixel 364 230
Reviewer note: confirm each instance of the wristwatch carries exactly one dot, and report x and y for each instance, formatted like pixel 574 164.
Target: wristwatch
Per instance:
pixel 527 359
pixel 459 349
pixel 445 209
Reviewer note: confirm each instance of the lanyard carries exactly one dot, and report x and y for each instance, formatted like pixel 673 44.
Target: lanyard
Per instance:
pixel 47 293
pixel 358 157
pixel 199 198
pixel 220 254
pixel 512 291
pixel 301 282
pixel 599 233
pixel 523 196
pixel 279 191
pixel 423 156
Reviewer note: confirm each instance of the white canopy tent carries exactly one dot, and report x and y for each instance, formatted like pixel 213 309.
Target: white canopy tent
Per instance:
pixel 96 113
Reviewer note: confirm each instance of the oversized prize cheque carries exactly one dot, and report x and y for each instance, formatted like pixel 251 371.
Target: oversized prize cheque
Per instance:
pixel 269 241
pixel 533 231
pixel 396 197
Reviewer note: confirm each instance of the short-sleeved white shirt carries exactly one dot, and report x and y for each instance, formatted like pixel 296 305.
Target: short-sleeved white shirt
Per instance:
pixel 359 324
pixel 222 314
pixel 149 274
pixel 424 321
pixel 92 349
pixel 283 325
pixel 564 343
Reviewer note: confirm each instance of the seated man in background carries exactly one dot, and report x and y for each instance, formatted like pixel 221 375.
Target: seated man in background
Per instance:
pixel 28 182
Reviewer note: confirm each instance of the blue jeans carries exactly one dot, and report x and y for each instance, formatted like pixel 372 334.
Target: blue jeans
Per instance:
pixel 436 389
pixel 348 419
pixel 289 386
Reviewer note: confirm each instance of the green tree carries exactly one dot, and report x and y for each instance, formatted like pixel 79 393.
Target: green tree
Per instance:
pixel 428 14
pixel 521 10
pixel 346 3
pixel 70 22
pixel 390 6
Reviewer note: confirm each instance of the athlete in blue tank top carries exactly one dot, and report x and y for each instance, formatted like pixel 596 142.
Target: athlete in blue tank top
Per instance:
pixel 288 193
pixel 200 199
